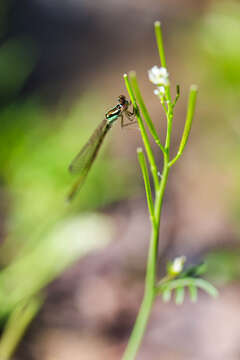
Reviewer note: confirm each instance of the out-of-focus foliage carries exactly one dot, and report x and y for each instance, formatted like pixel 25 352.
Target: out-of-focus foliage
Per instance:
pixel 224 266
pixel 220 33
pixel 181 285
pixel 44 236
pixel 23 279
pixel 218 37
pixel 16 325
pixel 182 279
pixel 35 151
pixel 4 7
pixel 70 240
pixel 17 59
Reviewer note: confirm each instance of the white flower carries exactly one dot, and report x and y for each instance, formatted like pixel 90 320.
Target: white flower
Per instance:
pixel 177 265
pixel 160 91
pixel 158 75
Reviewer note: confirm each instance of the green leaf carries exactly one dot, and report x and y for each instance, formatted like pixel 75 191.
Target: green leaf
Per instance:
pixel 20 318
pixel 65 244
pixel 206 286
pixel 193 293
pixel 194 271
pixel 166 295
pixel 179 295
pixel 189 282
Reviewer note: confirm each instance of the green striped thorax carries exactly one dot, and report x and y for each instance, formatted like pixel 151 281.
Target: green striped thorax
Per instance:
pixel 117 110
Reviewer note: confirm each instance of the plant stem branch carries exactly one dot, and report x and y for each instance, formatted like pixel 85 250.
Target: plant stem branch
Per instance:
pixel 158 34
pixel 159 40
pixel 150 280
pixel 151 287
pixel 142 162
pixel 188 123
pixel 144 135
pixel 144 110
pixel 19 320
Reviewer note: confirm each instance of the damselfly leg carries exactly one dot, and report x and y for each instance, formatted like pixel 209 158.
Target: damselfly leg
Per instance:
pixel 130 116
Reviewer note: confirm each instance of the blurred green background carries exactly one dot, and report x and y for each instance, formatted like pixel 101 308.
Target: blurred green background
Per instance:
pixel 61 67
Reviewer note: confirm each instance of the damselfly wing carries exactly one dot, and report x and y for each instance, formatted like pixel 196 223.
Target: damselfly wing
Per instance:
pixel 83 161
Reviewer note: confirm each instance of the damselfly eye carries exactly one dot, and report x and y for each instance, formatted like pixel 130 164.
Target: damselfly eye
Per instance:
pixel 121 99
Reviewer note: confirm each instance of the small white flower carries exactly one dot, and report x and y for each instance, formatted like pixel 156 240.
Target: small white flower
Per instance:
pixel 177 265
pixel 158 75
pixel 160 91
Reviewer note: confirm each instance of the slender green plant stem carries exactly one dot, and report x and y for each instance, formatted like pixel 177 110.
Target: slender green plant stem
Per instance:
pixel 151 289
pixel 140 325
pixel 145 138
pixel 143 164
pixel 169 128
pixel 145 111
pixel 150 280
pixel 19 320
pixel 149 292
pixel 158 34
pixel 188 123
pixel 153 251
pixel 130 92
pixel 159 40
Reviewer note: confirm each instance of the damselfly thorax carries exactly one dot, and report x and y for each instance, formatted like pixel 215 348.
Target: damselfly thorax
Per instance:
pixel 83 161
pixel 112 114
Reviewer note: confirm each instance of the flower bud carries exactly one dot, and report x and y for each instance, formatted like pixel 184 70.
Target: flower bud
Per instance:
pixel 176 267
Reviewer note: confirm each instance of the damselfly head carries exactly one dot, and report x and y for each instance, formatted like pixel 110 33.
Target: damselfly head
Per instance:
pixel 122 99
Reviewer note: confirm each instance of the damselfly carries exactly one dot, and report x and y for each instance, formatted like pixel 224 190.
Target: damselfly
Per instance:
pixel 83 161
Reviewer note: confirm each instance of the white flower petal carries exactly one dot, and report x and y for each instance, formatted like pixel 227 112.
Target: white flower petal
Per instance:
pixel 158 75
pixel 155 70
pixel 165 81
pixel 153 77
pixel 177 264
pixel 163 72
pixel 160 91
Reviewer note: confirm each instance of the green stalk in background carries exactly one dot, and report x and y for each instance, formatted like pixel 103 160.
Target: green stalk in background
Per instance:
pixel 154 287
pixel 17 323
